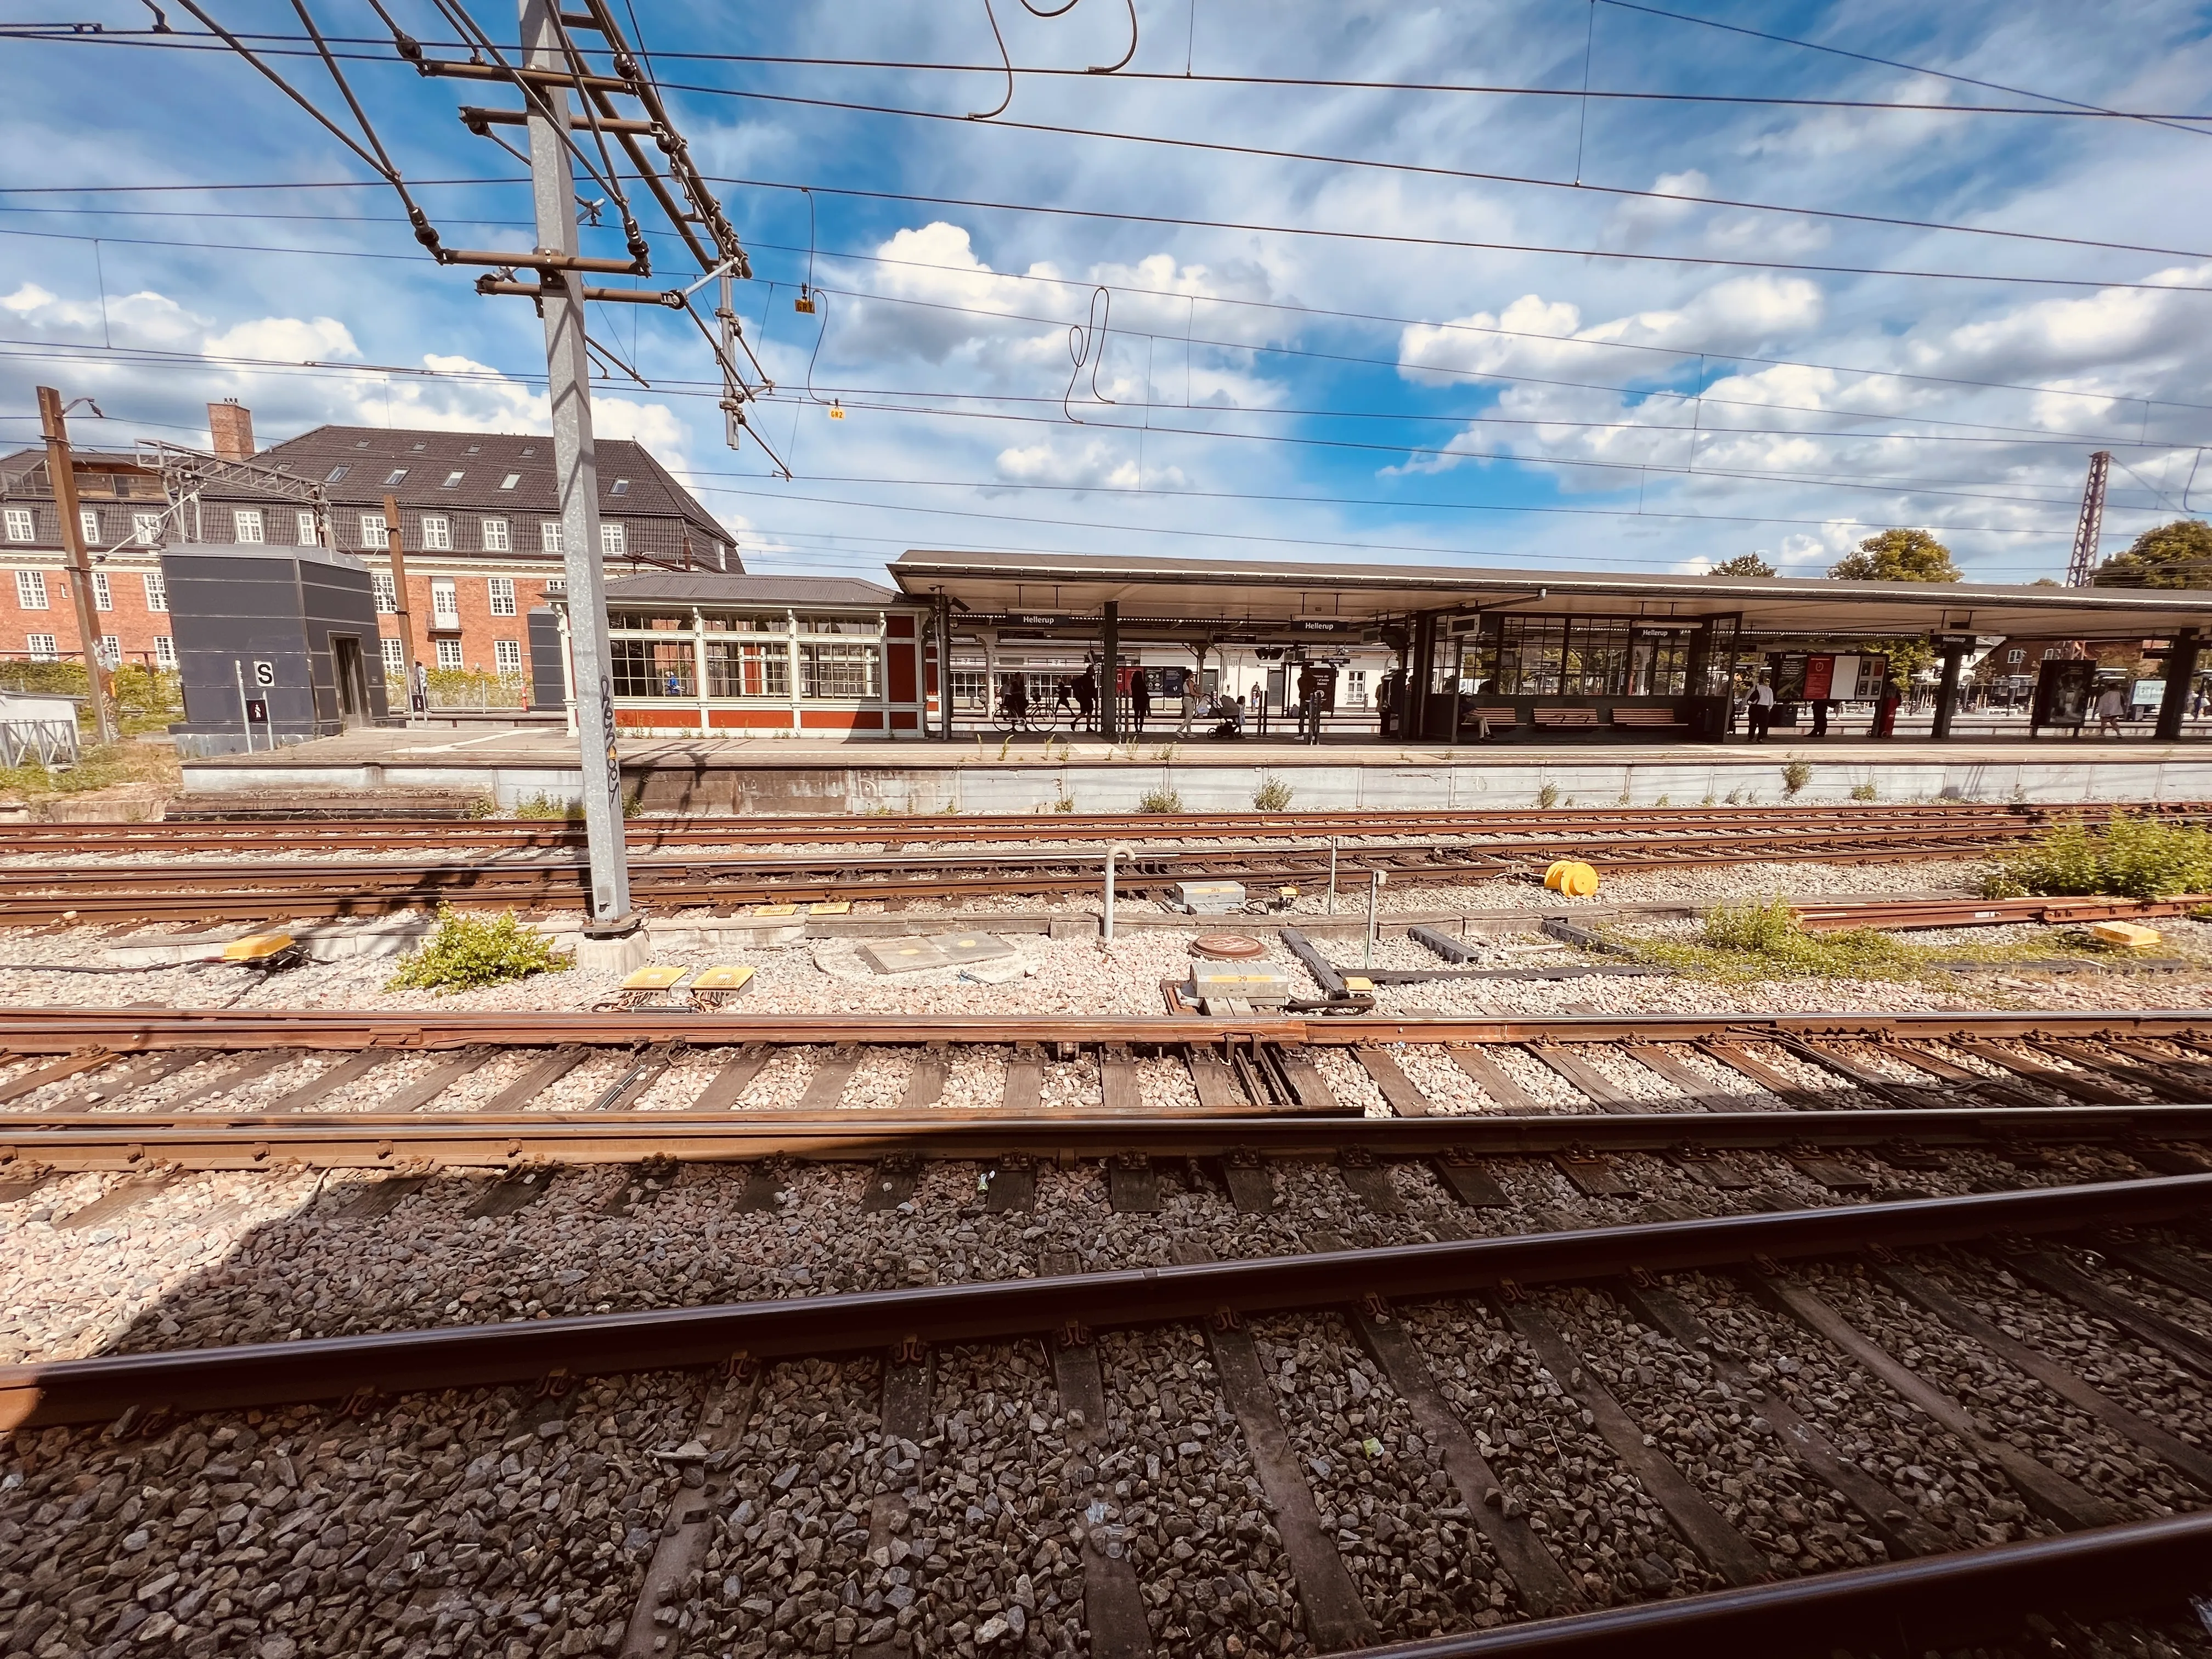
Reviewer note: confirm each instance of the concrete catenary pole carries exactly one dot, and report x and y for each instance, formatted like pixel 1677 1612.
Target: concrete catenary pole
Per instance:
pixel 55 427
pixel 569 384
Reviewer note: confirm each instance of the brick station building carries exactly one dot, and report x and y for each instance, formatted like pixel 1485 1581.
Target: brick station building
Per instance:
pixel 479 525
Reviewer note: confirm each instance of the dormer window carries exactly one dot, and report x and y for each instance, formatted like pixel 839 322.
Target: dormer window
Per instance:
pixel 510 481
pixel 337 472
pixel 622 487
pixel 452 479
pixel 421 446
pixel 397 474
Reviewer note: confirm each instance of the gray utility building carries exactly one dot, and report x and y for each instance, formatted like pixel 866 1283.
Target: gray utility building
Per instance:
pixel 275 645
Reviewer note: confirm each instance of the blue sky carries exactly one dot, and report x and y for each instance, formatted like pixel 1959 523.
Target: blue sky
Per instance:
pixel 1389 393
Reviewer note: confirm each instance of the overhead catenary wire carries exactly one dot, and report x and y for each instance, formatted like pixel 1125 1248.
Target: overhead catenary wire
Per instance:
pixel 283 45
pixel 1459 326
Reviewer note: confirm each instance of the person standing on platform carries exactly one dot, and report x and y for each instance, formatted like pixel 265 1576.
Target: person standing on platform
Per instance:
pixel 1086 695
pixel 1189 704
pixel 2111 705
pixel 1761 709
pixel 1821 707
pixel 1140 699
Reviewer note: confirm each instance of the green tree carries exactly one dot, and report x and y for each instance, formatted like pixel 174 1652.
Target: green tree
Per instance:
pixel 1744 564
pixel 2177 555
pixel 1897 555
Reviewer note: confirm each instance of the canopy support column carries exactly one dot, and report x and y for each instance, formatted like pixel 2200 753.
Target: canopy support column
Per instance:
pixel 1110 677
pixel 1947 692
pixel 2180 681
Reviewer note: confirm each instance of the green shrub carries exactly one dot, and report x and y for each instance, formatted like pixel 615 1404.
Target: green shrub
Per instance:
pixel 1755 926
pixel 542 807
pixel 1761 939
pixel 1795 776
pixel 2132 856
pixel 1161 800
pixel 1273 795
pixel 1548 795
pixel 468 951
pixel 1863 792
pixel 62 679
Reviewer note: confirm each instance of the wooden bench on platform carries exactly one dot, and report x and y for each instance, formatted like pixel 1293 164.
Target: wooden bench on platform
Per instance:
pixel 1489 719
pixel 1649 719
pixel 1583 719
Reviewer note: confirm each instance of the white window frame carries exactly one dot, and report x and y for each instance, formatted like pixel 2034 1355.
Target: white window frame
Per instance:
pixel 87 525
pixel 31 590
pixel 449 653
pixel 43 648
pixel 111 650
pixel 384 591
pixel 510 481
pixel 103 597
pixel 248 527
pixel 395 656
pixel 549 535
pixel 437 533
pixel 507 656
pixel 146 529
pixel 614 539
pixel 501 593
pixel 495 536
pixel 304 525
pixel 157 590
pixel 165 652
pixel 23 523
pixel 372 529
pixel 445 600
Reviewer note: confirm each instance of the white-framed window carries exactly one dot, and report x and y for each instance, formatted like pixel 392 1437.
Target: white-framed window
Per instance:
pixel 88 523
pixel 449 653
pixel 445 606
pixel 548 536
pixel 2051 653
pixel 395 656
pixel 2017 654
pixel 507 656
pixel 111 650
pixel 31 589
pixel 622 487
pixel 502 595
pixel 452 481
pixel 146 529
pixel 394 476
pixel 437 533
pixel 42 647
pixel 614 541
pixel 23 523
pixel 103 598
pixel 157 590
pixel 387 594
pixel 245 523
pixel 304 525
pixel 165 652
pixel 495 536
pixel 372 529
pixel 510 481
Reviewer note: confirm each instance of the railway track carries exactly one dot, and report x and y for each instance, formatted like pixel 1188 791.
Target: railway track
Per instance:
pixel 1815 1331
pixel 1784 1426
pixel 649 834
pixel 202 891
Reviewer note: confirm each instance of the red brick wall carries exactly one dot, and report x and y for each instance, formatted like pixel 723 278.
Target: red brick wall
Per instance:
pixel 133 625
pixel 472 598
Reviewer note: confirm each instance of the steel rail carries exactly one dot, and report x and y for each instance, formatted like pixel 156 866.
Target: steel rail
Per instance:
pixel 57 1030
pixel 222 1139
pixel 1925 1603
pixel 754 828
pixel 340 1368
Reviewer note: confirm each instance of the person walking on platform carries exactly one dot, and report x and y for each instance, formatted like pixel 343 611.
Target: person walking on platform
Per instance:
pixel 1190 705
pixel 1141 698
pixel 1086 695
pixel 1761 709
pixel 2111 705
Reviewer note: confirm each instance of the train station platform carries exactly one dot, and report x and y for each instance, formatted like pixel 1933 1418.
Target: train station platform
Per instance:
pixel 985 774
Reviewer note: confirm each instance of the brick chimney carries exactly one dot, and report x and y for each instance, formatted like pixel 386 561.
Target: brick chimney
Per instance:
pixel 231 427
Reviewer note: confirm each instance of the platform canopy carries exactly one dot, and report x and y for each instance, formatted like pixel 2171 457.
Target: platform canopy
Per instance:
pixel 1289 599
